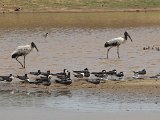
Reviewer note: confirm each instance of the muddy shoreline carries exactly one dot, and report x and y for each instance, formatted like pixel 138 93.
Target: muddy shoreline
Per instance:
pixel 147 87
pixel 65 10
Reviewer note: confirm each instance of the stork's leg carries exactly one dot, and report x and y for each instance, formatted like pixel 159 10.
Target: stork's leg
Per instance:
pixel 108 51
pixel 24 61
pixel 118 51
pixel 19 62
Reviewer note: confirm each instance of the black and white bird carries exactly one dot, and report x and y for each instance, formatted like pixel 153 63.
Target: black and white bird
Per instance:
pixel 46 73
pixel 61 74
pixel 7 78
pixel 79 75
pixel 85 72
pixel 23 78
pixel 139 74
pixel 66 80
pixel 101 75
pixel 44 81
pixel 23 51
pixel 116 42
pixel 36 73
pixel 120 75
pixel 111 74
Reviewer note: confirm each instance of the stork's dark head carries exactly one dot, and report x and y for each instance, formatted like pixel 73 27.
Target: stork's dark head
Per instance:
pixel 34 46
pixel 127 35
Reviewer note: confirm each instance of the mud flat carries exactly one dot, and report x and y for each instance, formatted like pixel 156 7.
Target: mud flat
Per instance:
pixel 148 87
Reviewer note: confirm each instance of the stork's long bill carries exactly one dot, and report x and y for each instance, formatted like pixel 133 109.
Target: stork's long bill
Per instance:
pixel 130 37
pixel 126 34
pixel 34 46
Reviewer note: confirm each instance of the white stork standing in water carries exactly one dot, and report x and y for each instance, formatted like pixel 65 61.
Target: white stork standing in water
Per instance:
pixel 116 42
pixel 23 51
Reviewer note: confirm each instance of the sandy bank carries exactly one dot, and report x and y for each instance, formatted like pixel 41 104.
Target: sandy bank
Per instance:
pixel 146 87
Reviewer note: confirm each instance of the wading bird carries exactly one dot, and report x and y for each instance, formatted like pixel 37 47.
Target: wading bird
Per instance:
pixel 116 42
pixel 23 51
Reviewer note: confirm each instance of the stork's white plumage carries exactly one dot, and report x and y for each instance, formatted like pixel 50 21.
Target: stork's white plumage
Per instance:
pixel 116 42
pixel 23 51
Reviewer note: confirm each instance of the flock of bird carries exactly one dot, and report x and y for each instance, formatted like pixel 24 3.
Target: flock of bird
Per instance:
pixel 64 77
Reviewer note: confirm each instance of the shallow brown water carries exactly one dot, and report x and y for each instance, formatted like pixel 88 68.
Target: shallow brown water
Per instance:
pixel 76 41
pixel 77 48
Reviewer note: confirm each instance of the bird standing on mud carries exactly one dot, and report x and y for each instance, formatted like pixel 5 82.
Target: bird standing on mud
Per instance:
pixel 116 42
pixel 23 51
pixel 7 78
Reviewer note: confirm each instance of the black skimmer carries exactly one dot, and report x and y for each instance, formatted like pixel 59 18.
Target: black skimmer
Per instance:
pixel 85 72
pixel 7 78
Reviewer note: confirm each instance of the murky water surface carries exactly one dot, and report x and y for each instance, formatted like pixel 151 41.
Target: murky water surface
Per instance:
pixel 79 100
pixel 76 41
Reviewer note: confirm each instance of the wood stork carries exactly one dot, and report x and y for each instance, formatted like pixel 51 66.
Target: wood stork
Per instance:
pixel 23 51
pixel 116 42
